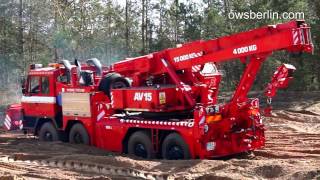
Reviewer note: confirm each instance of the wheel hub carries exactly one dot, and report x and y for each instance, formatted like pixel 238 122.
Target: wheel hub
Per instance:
pixel 175 152
pixel 140 150
pixel 78 138
pixel 48 136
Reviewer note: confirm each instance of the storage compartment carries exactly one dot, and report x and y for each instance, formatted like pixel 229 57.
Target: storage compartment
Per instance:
pixel 147 99
pixel 76 104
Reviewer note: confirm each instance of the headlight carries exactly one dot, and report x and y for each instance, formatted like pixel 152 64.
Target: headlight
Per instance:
pixel 206 128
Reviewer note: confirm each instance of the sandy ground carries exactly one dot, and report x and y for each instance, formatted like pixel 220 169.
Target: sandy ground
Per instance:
pixel 292 152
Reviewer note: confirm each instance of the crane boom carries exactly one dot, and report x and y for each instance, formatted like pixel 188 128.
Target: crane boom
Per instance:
pixel 251 47
pixel 293 36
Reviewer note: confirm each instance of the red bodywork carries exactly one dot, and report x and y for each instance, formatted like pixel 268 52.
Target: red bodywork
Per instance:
pixel 174 81
pixel 13 118
pixel 280 80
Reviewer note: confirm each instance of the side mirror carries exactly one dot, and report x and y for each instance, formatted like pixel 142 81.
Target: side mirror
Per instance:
pixel 23 84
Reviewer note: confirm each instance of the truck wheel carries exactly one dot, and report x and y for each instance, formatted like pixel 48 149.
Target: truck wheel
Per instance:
pixel 174 147
pixel 79 135
pixel 48 132
pixel 112 81
pixel 140 145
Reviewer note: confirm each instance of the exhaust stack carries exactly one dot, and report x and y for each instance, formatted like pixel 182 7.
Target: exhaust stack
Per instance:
pixel 68 66
pixel 95 62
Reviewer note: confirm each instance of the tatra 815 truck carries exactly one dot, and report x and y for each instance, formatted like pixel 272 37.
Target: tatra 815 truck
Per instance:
pixel 164 104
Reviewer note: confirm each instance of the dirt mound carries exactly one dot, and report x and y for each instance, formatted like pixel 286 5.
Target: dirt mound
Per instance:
pixel 315 174
pixel 213 176
pixel 269 171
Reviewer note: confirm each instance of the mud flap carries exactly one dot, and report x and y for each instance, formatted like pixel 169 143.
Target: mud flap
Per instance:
pixel 13 118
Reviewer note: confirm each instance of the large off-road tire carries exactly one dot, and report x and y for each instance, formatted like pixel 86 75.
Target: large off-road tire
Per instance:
pixel 140 145
pixel 174 147
pixel 79 135
pixel 48 132
pixel 112 81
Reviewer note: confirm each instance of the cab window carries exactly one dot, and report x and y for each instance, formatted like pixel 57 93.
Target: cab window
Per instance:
pixel 45 85
pixel 62 78
pixel 34 87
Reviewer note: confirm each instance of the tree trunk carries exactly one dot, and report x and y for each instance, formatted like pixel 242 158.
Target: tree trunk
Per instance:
pixel 147 21
pixel 127 27
pixel 56 54
pixel 20 38
pixel 176 26
pixel 143 27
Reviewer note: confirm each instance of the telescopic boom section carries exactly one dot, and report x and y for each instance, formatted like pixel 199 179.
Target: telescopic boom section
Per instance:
pixel 293 36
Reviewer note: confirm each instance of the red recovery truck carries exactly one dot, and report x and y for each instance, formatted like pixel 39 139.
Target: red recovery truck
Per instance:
pixel 163 104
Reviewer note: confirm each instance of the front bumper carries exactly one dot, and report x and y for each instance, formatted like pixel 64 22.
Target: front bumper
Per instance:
pixel 233 143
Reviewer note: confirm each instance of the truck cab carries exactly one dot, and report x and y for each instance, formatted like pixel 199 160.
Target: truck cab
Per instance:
pixel 54 98
pixel 39 99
